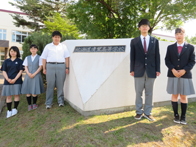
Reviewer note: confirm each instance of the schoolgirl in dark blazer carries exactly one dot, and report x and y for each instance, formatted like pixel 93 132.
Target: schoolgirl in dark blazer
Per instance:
pixel 180 59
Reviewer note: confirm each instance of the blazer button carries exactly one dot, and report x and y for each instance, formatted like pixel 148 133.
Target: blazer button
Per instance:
pixel 146 58
pixel 145 64
pixel 178 59
pixel 178 66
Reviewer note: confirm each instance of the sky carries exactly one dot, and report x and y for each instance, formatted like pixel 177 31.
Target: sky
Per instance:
pixel 189 26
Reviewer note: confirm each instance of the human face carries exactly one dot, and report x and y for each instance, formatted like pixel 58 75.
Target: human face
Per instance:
pixel 144 29
pixel 33 51
pixel 56 39
pixel 13 53
pixel 180 37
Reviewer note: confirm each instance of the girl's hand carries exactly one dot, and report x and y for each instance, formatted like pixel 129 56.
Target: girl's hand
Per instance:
pixel 30 75
pixel 13 81
pixel 181 72
pixel 176 73
pixel 9 80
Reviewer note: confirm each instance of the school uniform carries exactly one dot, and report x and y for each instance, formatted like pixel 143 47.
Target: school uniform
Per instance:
pixel 183 60
pixel 145 62
pixel 55 70
pixel 12 68
pixel 35 85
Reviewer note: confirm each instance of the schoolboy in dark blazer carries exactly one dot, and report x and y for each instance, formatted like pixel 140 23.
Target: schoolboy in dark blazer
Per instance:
pixel 144 66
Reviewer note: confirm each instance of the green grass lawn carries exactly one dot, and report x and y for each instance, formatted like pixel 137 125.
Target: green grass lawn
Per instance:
pixel 63 126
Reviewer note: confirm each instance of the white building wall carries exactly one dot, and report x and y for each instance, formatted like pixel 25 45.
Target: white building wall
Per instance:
pixel 6 22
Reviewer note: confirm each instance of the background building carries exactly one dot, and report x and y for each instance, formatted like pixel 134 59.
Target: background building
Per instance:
pixel 10 35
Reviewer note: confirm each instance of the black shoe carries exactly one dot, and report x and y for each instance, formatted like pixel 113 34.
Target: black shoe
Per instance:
pixel 183 121
pixel 138 116
pixel 149 117
pixel 177 120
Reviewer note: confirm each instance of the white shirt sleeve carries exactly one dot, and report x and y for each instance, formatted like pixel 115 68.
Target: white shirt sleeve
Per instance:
pixel 66 52
pixel 40 61
pixel 25 63
pixel 44 54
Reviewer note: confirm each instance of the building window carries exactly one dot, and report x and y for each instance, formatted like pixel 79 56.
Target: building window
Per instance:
pixel 2 57
pixel 2 34
pixel 18 36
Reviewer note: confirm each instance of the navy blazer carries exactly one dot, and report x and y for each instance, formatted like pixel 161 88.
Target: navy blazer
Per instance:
pixel 141 62
pixel 186 59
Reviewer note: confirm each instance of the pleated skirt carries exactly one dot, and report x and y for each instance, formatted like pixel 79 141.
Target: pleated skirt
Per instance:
pixel 33 86
pixel 14 89
pixel 183 86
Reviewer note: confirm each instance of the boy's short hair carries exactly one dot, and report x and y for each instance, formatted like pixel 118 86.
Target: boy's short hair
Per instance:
pixel 179 30
pixel 14 48
pixel 56 33
pixel 144 22
pixel 33 45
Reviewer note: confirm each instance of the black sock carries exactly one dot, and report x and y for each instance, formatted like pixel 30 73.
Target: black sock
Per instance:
pixel 29 100
pixel 175 108
pixel 16 104
pixel 35 100
pixel 183 110
pixel 9 106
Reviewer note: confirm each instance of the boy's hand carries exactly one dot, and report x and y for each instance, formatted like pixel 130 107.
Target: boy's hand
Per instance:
pixel 158 73
pixel 132 73
pixel 44 71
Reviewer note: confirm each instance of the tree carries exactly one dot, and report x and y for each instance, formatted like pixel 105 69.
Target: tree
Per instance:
pixel 37 12
pixel 58 23
pixel 191 40
pixel 119 18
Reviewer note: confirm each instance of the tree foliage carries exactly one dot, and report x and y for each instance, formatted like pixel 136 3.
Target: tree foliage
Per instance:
pixel 62 24
pixel 37 12
pixel 191 40
pixel 119 18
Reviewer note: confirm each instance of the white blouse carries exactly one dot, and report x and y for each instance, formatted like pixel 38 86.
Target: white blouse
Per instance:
pixel 25 63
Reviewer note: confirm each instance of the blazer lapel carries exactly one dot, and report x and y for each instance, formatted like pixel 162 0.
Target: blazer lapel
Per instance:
pixel 139 42
pixel 176 49
pixel 184 48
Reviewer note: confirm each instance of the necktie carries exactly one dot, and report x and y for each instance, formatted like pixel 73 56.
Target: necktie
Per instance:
pixel 145 50
pixel 179 49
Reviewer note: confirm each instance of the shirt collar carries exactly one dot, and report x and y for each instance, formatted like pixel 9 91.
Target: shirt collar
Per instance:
pixel 55 45
pixel 34 56
pixel 142 37
pixel 180 44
